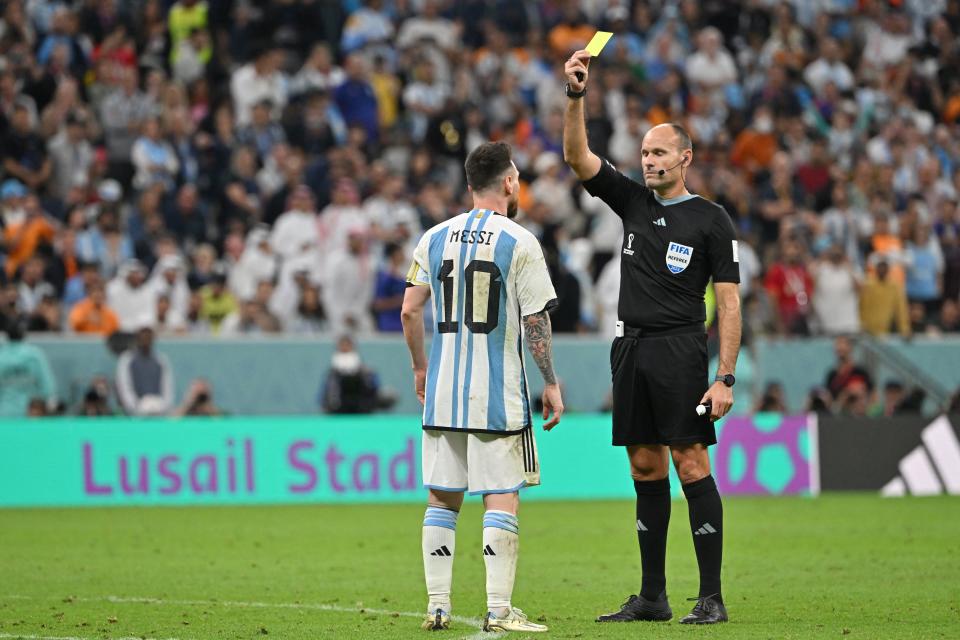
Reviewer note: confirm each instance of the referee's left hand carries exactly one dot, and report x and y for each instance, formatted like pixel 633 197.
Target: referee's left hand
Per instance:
pixel 720 397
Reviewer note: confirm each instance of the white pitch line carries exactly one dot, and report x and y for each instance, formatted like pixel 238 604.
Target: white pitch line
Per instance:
pixel 257 605
pixel 279 605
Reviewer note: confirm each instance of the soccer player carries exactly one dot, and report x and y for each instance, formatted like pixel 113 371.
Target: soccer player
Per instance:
pixel 490 289
pixel 674 242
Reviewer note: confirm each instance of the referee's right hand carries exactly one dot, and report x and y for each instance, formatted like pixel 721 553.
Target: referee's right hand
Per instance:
pixel 552 402
pixel 576 69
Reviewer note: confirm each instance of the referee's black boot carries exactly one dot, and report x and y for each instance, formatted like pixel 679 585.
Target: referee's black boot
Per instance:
pixel 639 608
pixel 708 610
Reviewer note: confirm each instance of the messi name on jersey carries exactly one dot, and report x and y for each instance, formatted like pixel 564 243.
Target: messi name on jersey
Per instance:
pixel 471 236
pixel 678 257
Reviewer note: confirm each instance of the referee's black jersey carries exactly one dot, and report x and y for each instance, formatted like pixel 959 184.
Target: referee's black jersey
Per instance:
pixel 671 249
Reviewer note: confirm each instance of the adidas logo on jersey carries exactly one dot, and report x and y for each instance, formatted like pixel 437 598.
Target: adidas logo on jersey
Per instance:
pixel 442 551
pixel 932 467
pixel 660 222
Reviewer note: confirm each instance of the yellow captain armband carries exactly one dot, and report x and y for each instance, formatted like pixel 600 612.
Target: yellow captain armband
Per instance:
pixel 416 274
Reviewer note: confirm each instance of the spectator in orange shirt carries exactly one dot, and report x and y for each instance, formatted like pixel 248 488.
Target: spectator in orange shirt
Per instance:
pixel 884 242
pixel 951 108
pixel 92 315
pixel 572 32
pixel 26 225
pixel 754 147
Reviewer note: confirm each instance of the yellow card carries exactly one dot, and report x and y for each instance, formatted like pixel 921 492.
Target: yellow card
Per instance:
pixel 598 42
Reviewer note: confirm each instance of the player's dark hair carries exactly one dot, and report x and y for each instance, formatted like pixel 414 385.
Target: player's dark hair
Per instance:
pixel 486 164
pixel 683 138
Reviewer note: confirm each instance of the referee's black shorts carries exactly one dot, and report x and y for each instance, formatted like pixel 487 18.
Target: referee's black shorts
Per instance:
pixel 658 380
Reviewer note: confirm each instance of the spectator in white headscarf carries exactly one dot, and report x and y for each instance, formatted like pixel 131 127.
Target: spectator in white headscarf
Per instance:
pixel 169 279
pixel 257 263
pixel 553 189
pixel 296 229
pixel 348 285
pixel 129 296
pixel 296 275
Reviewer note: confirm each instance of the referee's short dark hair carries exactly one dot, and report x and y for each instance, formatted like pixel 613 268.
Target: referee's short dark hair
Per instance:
pixel 486 164
pixel 683 138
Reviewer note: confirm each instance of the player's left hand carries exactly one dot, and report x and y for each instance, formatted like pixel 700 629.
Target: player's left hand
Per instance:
pixel 552 402
pixel 420 384
pixel 720 397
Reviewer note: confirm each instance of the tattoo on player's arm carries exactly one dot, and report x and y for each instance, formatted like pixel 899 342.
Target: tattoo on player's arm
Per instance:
pixel 539 341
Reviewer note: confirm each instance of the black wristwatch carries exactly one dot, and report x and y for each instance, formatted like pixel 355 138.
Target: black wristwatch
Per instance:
pixel 726 379
pixel 574 94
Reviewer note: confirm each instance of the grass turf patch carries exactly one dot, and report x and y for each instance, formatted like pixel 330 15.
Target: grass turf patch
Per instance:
pixel 854 566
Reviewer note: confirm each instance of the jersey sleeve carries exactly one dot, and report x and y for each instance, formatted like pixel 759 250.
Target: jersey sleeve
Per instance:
pixel 613 187
pixel 419 272
pixel 722 249
pixel 534 288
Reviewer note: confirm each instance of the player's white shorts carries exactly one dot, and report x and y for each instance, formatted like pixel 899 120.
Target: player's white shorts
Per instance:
pixel 479 463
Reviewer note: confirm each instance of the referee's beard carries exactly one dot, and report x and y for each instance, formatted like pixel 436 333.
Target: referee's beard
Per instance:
pixel 660 183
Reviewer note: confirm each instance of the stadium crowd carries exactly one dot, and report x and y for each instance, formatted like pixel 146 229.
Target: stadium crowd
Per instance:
pixel 234 167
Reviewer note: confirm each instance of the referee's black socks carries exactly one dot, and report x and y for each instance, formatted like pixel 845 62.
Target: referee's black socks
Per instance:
pixel 706 523
pixel 653 517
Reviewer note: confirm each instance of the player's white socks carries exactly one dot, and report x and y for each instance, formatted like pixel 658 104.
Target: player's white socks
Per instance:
pixel 439 543
pixel 501 544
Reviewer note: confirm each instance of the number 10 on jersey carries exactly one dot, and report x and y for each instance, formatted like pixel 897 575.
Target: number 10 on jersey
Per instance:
pixel 448 324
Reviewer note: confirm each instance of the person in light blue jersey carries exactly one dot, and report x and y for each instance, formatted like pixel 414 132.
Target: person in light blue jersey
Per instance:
pixel 491 289
pixel 25 374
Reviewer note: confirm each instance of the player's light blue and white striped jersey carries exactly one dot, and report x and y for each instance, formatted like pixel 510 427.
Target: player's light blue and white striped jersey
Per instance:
pixel 485 273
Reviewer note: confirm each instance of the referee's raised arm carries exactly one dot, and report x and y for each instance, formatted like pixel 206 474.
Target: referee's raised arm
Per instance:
pixel 576 152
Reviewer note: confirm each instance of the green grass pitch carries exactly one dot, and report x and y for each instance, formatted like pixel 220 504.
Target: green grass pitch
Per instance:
pixel 841 566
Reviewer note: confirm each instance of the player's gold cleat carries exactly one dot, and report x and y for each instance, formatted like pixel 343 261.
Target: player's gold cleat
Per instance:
pixel 515 620
pixel 436 621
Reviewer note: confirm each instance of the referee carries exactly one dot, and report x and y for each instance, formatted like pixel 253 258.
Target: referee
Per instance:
pixel 674 243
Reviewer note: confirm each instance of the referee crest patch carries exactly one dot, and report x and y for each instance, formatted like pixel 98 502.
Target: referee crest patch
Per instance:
pixel 678 257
